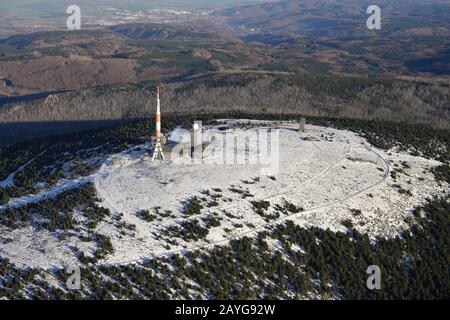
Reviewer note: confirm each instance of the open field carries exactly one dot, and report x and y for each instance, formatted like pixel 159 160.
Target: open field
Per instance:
pixel 328 178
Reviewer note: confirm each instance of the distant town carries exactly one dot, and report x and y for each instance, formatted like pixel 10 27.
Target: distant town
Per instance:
pixel 116 16
pixel 111 16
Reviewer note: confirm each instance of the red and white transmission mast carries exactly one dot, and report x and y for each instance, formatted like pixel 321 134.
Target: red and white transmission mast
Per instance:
pixel 158 152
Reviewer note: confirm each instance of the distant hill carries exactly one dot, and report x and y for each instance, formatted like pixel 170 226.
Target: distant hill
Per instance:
pixel 151 31
pixel 290 37
pixel 125 54
pixel 341 18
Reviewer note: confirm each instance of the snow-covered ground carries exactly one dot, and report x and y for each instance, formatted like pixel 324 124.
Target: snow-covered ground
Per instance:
pixel 330 173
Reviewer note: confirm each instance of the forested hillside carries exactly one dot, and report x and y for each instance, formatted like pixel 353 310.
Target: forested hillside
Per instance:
pixel 247 269
pixel 349 97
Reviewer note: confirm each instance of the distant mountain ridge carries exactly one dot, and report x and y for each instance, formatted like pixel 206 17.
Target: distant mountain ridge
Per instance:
pixel 341 19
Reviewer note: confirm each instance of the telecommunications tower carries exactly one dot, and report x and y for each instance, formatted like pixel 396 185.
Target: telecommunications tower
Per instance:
pixel 158 153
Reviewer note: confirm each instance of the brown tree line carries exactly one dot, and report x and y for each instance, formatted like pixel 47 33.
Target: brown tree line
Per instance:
pixel 358 98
